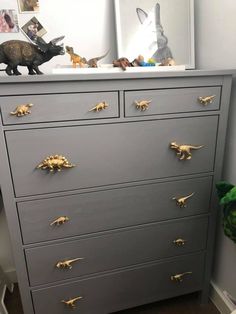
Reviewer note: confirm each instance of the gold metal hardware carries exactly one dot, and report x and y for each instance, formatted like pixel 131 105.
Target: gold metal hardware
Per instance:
pixel 179 242
pixel 182 201
pixel 22 110
pixel 183 151
pixel 142 105
pixel 206 100
pixel 71 303
pixel 67 264
pixel 99 107
pixel 60 221
pixel 56 162
pixel 180 277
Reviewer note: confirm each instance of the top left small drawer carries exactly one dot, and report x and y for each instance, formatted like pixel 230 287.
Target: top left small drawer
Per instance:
pixel 59 107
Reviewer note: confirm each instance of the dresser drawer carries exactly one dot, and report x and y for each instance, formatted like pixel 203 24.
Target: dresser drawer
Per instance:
pixel 96 153
pixel 115 250
pixel 112 292
pixel 106 210
pixel 171 101
pixel 60 107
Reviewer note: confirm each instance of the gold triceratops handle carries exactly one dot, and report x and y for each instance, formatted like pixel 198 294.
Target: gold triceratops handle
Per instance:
pixel 142 105
pixel 183 151
pixel 179 242
pixel 55 162
pixel 182 201
pixel 180 277
pixel 100 106
pixel 67 264
pixel 71 303
pixel 206 100
pixel 60 221
pixel 22 110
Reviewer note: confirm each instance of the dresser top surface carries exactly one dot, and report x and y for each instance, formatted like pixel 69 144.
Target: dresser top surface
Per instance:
pixel 111 76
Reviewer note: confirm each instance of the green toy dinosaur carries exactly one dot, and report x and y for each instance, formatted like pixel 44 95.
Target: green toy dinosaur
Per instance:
pixel 227 195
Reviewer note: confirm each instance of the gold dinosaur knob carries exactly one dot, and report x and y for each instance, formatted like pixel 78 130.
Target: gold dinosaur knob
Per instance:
pixel 206 100
pixel 60 221
pixel 183 151
pixel 56 162
pixel 99 107
pixel 179 242
pixel 22 110
pixel 180 277
pixel 142 105
pixel 67 264
pixel 71 303
pixel 182 201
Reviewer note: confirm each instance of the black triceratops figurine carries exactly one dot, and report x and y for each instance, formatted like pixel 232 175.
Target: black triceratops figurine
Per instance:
pixel 31 55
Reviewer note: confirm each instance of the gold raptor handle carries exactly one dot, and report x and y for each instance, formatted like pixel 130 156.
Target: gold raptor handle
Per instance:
pixel 182 201
pixel 71 302
pixel 67 264
pixel 206 100
pixel 179 242
pixel 22 110
pixel 60 221
pixel 180 277
pixel 142 105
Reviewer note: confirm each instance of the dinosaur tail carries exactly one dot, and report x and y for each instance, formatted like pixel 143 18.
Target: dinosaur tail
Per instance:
pixel 197 147
pixel 99 58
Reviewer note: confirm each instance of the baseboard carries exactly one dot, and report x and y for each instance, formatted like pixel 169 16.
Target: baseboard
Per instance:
pixel 220 300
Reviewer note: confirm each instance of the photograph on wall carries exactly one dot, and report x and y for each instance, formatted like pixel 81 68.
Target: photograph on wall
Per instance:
pixel 156 29
pixel 33 29
pixel 8 21
pixel 28 6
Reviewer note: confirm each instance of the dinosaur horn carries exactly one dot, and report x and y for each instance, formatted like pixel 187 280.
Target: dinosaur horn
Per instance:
pixel 56 40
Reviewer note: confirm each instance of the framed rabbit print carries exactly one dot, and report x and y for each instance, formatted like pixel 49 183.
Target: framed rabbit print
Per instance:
pixel 156 29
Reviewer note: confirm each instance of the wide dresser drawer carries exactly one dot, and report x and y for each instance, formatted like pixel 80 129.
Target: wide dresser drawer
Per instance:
pixel 59 107
pixel 164 101
pixel 112 292
pixel 55 262
pixel 65 216
pixel 95 152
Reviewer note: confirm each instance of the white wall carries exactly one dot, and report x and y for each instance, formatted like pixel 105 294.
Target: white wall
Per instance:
pixel 89 27
pixel 216 47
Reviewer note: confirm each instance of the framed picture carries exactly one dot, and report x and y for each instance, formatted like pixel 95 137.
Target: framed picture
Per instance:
pixel 157 29
pixel 28 6
pixel 33 29
pixel 8 21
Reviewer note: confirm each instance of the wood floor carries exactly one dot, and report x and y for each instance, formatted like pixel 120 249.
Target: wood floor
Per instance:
pixel 188 304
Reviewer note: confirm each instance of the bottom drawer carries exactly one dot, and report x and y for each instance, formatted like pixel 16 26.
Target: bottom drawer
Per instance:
pixel 128 288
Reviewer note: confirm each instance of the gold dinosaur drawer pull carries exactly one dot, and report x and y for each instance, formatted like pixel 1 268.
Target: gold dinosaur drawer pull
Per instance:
pixel 99 107
pixel 22 110
pixel 60 221
pixel 182 201
pixel 142 105
pixel 71 303
pixel 67 264
pixel 179 242
pixel 206 100
pixel 183 151
pixel 180 277
pixel 56 162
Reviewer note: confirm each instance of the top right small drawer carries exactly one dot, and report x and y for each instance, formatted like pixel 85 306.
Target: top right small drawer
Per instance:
pixel 165 101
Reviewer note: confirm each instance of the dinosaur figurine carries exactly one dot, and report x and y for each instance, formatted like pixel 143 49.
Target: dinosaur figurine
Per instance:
pixel 67 264
pixel 181 201
pixel 184 151
pixel 206 100
pixel 56 162
pixel 81 61
pixel 101 106
pixel 22 110
pixel 142 105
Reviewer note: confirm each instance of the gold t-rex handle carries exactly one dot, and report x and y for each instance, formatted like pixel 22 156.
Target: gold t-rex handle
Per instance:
pixel 206 100
pixel 67 264
pixel 182 201
pixel 71 303
pixel 60 221
pixel 180 277
pixel 142 105
pixel 99 107
pixel 183 151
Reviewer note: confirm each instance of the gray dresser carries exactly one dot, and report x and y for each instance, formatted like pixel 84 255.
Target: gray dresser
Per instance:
pixel 108 186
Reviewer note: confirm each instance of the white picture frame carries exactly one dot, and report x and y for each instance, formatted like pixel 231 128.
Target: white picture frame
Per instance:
pixel 156 29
